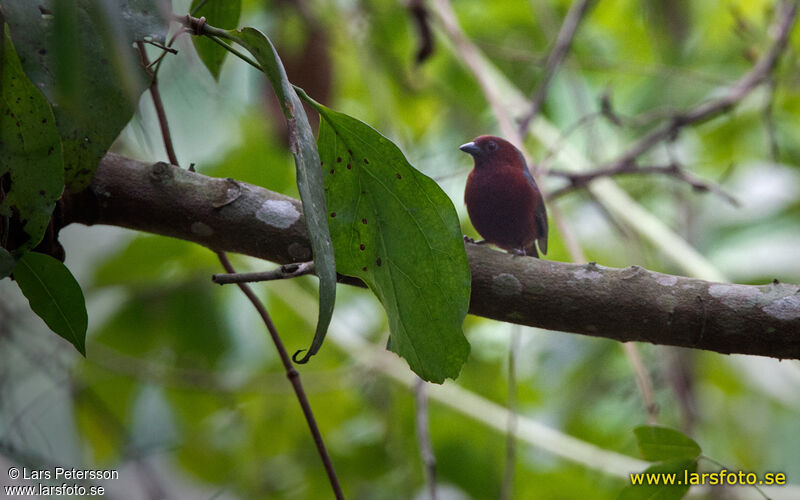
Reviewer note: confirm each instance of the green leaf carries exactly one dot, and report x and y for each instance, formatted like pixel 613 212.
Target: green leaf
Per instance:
pixel 309 176
pixel 666 481
pixel 221 14
pixel 394 228
pixel 7 263
pixel 80 54
pixel 663 443
pixel 30 149
pixel 54 295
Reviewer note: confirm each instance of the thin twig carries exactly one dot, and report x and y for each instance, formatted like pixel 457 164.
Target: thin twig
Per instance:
pixel 642 120
pixel 200 27
pixel 642 381
pixel 235 52
pixel 565 36
pixel 626 163
pixel 581 179
pixel 283 272
pixel 157 62
pixel 424 437
pixel 159 105
pixel 544 164
pixel 165 48
pixel 291 372
pixel 507 488
pixel 769 121
pixel 678 365
pixel 784 20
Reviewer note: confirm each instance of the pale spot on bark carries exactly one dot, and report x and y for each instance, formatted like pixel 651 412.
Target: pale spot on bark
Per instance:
pixel 585 274
pixel 735 297
pixel 666 280
pixel 278 213
pixel 786 308
pixel 667 303
pixel 506 284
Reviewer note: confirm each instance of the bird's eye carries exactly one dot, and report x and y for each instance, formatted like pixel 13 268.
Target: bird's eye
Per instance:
pixel 491 146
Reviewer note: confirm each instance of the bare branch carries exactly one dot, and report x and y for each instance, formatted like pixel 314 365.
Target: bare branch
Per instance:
pixel 785 17
pixel 159 105
pixel 581 179
pixel 621 304
pixel 627 162
pixel 285 271
pixel 292 375
pixel 769 121
pixel 643 382
pixel 565 35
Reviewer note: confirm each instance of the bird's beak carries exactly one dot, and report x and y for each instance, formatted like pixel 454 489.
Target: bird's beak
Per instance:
pixel 470 148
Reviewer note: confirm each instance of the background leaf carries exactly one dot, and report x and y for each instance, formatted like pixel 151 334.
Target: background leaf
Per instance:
pixel 661 491
pixel 79 53
pixel 221 14
pixel 54 295
pixel 309 176
pixel 30 149
pixel 394 228
pixel 663 443
pixel 7 263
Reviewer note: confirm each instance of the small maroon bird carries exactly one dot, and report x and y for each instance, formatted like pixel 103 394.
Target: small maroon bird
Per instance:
pixel 503 201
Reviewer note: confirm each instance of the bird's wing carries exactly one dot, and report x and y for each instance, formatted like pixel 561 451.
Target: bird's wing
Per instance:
pixel 540 218
pixel 541 227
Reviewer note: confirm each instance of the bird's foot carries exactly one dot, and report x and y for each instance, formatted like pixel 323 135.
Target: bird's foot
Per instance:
pixel 467 239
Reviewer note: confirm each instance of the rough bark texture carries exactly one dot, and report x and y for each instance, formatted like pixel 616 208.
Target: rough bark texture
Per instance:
pixel 221 214
pixel 622 304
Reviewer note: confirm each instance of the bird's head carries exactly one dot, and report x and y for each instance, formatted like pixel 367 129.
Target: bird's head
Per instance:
pixel 489 150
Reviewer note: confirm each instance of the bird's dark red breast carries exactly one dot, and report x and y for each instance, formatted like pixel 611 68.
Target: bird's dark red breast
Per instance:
pixel 503 201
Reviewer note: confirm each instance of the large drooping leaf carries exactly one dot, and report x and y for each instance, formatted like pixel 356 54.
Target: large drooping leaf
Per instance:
pixel 80 54
pixel 54 295
pixel 662 443
pixel 30 149
pixel 309 175
pixel 222 14
pixel 394 228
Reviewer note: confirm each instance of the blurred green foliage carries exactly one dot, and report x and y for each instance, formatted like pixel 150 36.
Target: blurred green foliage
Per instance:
pixel 180 375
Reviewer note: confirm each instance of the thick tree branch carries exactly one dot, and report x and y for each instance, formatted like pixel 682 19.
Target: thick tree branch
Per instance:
pixel 621 304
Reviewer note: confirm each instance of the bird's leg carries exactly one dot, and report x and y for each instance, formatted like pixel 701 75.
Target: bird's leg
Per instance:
pixel 518 251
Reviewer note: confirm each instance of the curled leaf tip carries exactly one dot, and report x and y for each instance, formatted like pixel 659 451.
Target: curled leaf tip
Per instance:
pixel 305 358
